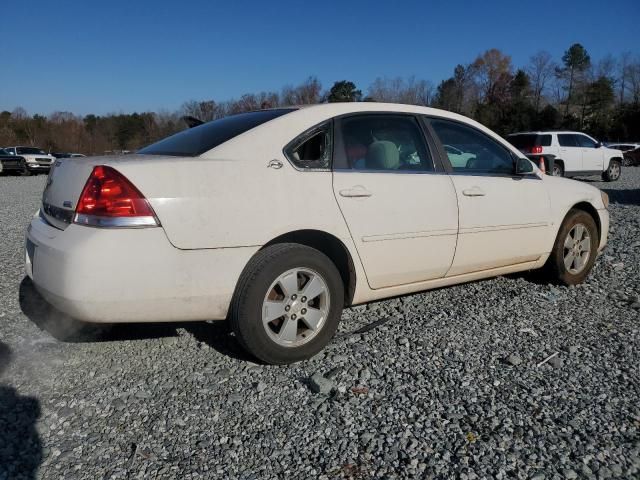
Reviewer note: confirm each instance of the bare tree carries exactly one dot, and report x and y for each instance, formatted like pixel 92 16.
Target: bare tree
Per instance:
pixel 623 65
pixel 540 70
pixel 411 91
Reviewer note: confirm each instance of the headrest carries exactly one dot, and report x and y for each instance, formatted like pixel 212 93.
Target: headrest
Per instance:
pixel 383 155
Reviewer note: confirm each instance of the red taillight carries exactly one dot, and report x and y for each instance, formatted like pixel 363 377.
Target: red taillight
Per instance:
pixel 110 200
pixel 536 149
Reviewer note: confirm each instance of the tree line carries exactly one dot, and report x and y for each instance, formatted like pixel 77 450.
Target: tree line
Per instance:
pixel 574 92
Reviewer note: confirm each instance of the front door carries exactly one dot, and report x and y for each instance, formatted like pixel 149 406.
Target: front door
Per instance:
pixel 504 218
pixel 402 214
pixel 591 155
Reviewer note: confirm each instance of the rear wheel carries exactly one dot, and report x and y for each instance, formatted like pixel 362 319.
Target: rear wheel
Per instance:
pixel 558 171
pixel 287 304
pixel 575 249
pixel 626 162
pixel 612 173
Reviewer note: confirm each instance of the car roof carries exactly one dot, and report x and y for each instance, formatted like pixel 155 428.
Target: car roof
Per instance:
pixel 280 130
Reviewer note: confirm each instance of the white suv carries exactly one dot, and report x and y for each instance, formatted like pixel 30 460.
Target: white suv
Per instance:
pixel 569 154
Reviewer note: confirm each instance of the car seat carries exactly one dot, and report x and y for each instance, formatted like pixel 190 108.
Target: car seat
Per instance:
pixel 383 155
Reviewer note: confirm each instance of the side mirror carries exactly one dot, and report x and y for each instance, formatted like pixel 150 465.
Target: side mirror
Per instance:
pixel 523 166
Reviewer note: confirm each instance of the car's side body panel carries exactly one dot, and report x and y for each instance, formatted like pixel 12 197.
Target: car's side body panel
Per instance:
pixel 506 225
pixel 406 230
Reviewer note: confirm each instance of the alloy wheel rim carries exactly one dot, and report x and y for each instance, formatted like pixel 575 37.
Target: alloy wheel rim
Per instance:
pixel 556 171
pixel 577 249
pixel 615 170
pixel 296 307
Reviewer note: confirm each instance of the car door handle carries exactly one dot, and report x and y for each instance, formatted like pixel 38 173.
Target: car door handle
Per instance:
pixel 355 192
pixel 473 192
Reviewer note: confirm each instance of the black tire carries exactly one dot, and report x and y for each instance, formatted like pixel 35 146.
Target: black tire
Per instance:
pixel 558 170
pixel 555 269
pixel 626 162
pixel 245 315
pixel 612 173
pixel 24 171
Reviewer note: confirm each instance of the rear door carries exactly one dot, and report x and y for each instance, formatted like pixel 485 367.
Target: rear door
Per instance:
pixel 503 218
pixel 570 152
pixel 592 156
pixel 401 209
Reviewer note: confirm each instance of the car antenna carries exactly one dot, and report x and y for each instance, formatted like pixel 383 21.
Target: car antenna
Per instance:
pixel 192 121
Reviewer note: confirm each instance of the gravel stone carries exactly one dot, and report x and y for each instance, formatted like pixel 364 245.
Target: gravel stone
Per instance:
pixel 168 401
pixel 514 360
pixel 319 384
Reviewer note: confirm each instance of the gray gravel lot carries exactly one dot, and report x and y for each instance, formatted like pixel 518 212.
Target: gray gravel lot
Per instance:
pixel 443 384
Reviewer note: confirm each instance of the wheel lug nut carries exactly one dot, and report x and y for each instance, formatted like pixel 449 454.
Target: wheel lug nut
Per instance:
pixel 303 299
pixel 293 317
pixel 303 311
pixel 294 296
pixel 287 308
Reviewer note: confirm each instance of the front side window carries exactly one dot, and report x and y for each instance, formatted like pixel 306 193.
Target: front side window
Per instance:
pixel 585 141
pixel 478 152
pixel 567 140
pixel 312 150
pixel 384 143
pixel 198 140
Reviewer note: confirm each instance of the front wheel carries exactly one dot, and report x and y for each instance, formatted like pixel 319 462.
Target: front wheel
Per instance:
pixel 612 173
pixel 24 170
pixel 575 249
pixel 287 304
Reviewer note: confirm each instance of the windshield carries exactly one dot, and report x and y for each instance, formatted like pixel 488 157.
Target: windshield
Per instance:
pixel 4 152
pixel 29 151
pixel 195 141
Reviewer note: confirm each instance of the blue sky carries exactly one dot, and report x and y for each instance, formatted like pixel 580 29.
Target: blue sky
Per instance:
pixel 141 55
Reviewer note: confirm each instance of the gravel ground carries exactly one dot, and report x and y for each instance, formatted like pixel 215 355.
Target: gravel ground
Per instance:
pixel 443 384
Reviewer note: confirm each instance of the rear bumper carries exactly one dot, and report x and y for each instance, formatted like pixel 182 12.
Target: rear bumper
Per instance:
pixel 130 275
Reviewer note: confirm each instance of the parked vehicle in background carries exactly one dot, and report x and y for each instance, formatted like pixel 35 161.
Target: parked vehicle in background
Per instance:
pixel 625 147
pixel 11 163
pixel 569 154
pixel 457 157
pixel 632 157
pixel 274 220
pixel 35 159
pixel 67 155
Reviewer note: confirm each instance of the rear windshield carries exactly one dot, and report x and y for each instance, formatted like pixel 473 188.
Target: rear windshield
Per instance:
pixel 529 140
pixel 29 151
pixel 197 140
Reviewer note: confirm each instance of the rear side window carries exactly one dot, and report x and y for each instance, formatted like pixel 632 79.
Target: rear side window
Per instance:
pixel 195 141
pixel 526 141
pixel 567 140
pixel 312 149
pixel 381 143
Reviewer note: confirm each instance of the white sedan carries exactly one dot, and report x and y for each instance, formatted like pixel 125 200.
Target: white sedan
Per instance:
pixel 278 219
